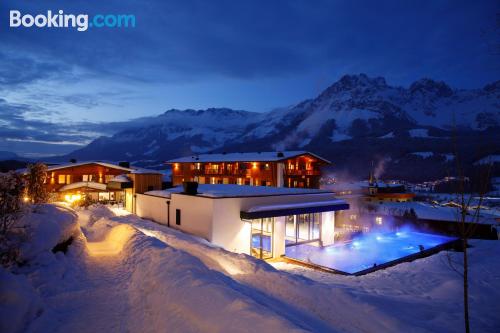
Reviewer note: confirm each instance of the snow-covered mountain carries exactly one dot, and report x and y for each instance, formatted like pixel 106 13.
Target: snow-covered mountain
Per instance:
pixel 363 114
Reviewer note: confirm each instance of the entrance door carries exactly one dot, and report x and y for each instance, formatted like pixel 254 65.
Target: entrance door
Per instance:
pixel 262 238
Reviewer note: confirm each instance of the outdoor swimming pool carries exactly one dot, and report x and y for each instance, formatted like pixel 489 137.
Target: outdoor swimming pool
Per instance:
pixel 367 251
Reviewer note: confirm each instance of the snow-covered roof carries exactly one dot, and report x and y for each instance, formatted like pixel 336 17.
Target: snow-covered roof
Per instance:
pixel 230 190
pixel 263 208
pixel 133 170
pixel 144 171
pixel 268 156
pixel 92 185
pixel 121 179
pixel 72 165
pixel 433 212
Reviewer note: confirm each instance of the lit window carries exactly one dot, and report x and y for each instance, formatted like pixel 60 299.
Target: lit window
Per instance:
pixel 61 179
pixel 378 220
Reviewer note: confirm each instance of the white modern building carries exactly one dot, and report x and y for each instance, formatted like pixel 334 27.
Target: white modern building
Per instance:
pixel 256 220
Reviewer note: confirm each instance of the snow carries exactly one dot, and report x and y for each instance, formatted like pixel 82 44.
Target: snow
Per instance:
pixel 432 212
pixel 419 133
pixel 489 159
pixel 387 136
pixel 121 179
pixel 337 136
pixel 19 302
pixel 72 165
pixel 231 190
pixel 264 208
pixel 267 156
pixel 48 225
pixel 423 154
pixel 426 294
pixel 127 274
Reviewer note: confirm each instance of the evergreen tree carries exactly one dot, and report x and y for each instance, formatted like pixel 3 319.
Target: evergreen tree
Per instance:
pixel 36 190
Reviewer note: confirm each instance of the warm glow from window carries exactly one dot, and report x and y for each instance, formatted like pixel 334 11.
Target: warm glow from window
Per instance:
pixel 176 166
pixel 254 165
pixel 26 199
pixel 70 198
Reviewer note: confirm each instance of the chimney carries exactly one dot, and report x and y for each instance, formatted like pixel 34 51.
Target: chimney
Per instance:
pixel 124 164
pixel 190 188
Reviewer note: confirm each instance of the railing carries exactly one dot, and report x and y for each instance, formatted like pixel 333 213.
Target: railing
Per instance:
pixel 302 172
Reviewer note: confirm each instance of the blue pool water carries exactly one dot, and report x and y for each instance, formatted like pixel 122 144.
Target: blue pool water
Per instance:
pixel 366 250
pixel 266 242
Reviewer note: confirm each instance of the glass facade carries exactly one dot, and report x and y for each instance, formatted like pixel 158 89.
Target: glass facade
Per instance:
pixel 302 228
pixel 262 238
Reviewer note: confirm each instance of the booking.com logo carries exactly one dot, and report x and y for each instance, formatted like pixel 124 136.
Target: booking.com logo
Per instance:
pixel 61 20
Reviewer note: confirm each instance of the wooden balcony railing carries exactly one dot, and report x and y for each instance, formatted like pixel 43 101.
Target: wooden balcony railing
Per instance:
pixel 302 173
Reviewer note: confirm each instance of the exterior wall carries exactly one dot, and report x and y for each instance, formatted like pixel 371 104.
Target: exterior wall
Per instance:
pixel 152 208
pixel 197 214
pixel 279 236
pixel 218 219
pixel 229 231
pixel 302 171
pixel 129 200
pixel 76 173
pixel 327 228
pixel 146 182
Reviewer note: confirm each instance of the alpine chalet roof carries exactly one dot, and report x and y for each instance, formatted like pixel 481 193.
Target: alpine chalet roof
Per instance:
pixel 268 156
pixel 133 170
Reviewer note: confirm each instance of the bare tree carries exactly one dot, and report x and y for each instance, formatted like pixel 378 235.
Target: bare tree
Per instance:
pixel 468 217
pixel 11 207
pixel 36 178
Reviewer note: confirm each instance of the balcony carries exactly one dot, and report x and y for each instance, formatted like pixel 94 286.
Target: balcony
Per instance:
pixel 302 173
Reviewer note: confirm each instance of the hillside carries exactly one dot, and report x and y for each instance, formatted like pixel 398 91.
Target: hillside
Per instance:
pixel 356 120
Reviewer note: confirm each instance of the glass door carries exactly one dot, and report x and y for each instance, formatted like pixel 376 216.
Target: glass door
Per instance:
pixel 302 228
pixel 262 238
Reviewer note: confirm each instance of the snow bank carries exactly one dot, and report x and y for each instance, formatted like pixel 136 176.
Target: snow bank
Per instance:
pixel 48 225
pixel 334 307
pixel 19 302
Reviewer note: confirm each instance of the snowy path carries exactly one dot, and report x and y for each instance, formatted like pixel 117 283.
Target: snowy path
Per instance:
pixel 132 275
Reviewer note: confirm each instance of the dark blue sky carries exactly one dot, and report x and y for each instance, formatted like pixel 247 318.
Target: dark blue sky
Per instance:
pixel 251 55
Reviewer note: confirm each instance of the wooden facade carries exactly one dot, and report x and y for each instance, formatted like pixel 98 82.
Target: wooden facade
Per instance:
pixel 299 171
pixel 94 179
pixel 92 172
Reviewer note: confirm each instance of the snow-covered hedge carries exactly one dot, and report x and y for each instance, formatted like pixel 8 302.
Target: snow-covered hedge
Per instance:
pixel 19 302
pixel 48 225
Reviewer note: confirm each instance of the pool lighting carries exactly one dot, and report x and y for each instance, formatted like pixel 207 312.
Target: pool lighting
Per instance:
pixel 356 244
pixel 379 238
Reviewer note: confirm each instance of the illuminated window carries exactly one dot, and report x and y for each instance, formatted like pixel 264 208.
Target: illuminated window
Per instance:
pixel 63 179
pixel 107 178
pixel 378 220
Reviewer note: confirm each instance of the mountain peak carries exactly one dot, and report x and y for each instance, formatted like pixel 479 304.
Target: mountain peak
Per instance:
pixel 356 81
pixel 426 86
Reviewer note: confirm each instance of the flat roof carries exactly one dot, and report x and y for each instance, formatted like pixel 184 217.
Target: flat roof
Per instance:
pixel 307 207
pixel 230 190
pixel 266 156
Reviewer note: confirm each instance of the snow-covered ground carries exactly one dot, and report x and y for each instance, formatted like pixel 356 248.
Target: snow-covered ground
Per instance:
pixel 126 274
